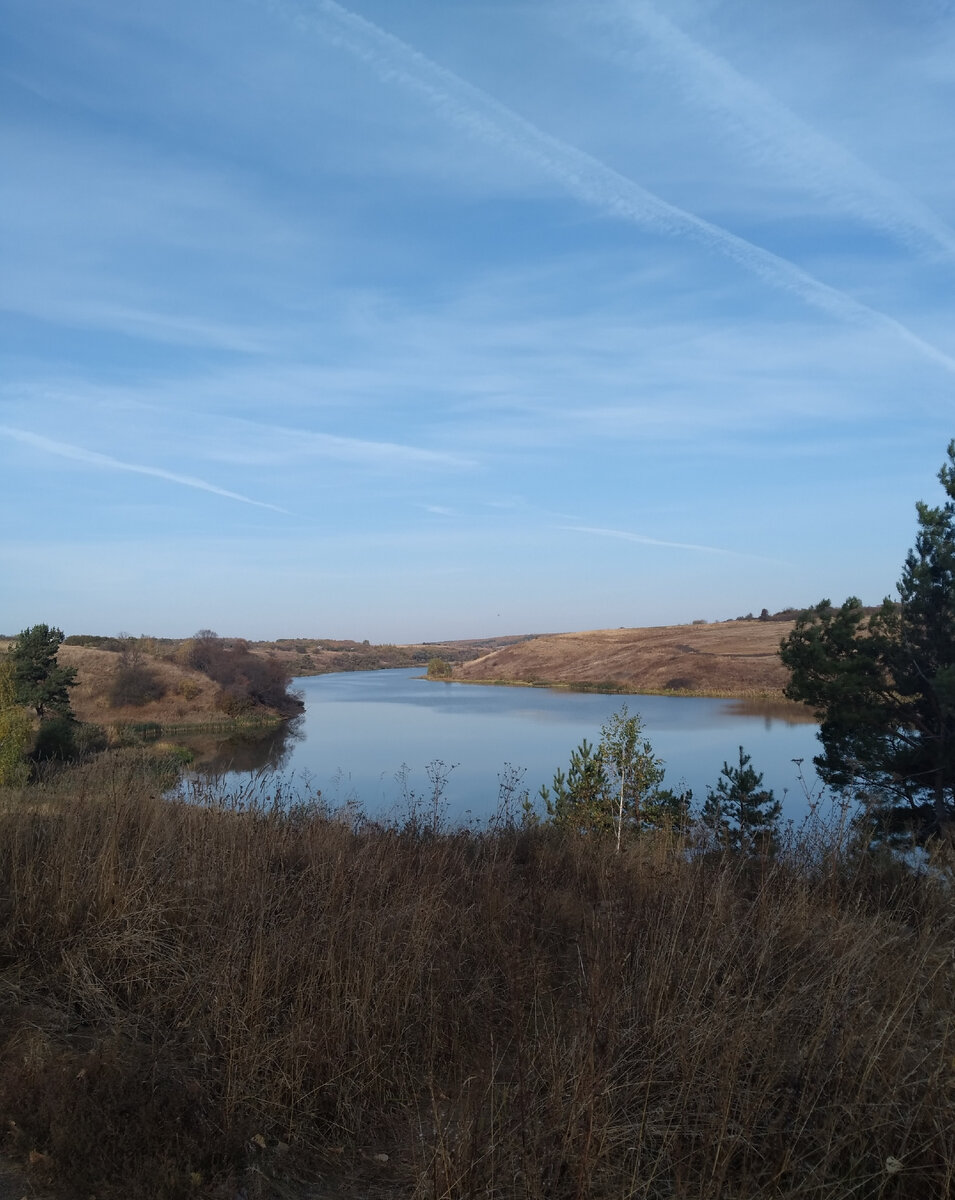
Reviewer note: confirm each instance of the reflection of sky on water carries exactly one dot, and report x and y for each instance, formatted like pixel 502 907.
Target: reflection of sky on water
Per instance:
pixel 360 729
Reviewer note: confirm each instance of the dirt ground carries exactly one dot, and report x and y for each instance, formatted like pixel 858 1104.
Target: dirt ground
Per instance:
pixel 733 658
pixel 16 1184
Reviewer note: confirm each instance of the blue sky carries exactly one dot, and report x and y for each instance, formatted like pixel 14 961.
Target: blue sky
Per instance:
pixel 418 319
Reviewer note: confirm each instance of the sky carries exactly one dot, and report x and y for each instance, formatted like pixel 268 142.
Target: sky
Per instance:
pixel 420 319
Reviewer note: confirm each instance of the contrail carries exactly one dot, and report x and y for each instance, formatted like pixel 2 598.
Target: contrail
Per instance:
pixel 94 459
pixel 581 175
pixel 343 449
pixel 625 536
pixel 769 132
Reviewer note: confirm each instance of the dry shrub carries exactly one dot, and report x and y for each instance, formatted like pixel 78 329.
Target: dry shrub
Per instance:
pixel 252 992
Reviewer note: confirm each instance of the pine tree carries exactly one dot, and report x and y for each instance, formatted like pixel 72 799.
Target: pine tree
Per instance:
pixel 883 685
pixel 39 681
pixel 739 812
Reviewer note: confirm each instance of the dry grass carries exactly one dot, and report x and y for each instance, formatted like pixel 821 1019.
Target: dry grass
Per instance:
pixel 729 658
pixel 195 999
pixel 190 695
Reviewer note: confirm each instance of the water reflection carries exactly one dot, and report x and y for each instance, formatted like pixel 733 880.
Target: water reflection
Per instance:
pixel 246 751
pixel 369 737
pixel 787 711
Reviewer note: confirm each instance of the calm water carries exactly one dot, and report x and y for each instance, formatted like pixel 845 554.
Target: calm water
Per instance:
pixel 370 736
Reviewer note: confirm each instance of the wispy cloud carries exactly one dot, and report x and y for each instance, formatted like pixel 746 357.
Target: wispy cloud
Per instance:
pixel 580 174
pixel 770 134
pixel 278 443
pixel 624 535
pixel 93 458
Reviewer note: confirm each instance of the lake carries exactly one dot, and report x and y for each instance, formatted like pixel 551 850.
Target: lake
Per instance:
pixel 373 737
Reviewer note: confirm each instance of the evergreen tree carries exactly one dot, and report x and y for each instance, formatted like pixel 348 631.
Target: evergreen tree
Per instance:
pixel 579 799
pixel 740 813
pixel 39 682
pixel 883 686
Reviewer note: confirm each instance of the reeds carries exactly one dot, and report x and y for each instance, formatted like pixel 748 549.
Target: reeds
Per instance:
pixel 250 992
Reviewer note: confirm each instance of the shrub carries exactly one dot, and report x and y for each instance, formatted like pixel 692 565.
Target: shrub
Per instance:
pixel 134 685
pixel 56 739
pixel 247 680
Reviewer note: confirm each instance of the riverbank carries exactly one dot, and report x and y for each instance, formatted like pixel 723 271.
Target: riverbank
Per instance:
pixel 758 699
pixel 726 659
pixel 199 1000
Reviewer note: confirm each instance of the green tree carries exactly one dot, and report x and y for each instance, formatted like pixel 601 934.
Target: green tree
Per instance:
pixel 883 685
pixel 580 800
pixel 39 681
pixel 439 668
pixel 616 786
pixel 739 812
pixel 16 730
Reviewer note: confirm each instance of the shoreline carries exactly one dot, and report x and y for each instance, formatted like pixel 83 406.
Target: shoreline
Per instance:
pixel 766 695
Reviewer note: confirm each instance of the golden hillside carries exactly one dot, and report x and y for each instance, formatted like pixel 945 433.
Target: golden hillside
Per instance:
pixel 732 658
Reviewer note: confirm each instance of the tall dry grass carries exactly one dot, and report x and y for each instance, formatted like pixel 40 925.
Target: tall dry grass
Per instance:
pixel 201 998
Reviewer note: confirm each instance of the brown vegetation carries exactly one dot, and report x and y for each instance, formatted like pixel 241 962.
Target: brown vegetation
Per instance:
pixel 728 658
pixel 188 695
pixel 198 1000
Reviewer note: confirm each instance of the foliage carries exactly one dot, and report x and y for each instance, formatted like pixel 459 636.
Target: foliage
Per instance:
pixel 135 683
pixel 92 641
pixel 439 668
pixel 16 730
pixel 739 812
pixel 246 680
pixel 884 686
pixel 616 786
pixel 39 682
pixel 56 739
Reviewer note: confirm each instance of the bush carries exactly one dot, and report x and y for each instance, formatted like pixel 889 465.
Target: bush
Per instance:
pixel 134 685
pixel 56 739
pixel 247 680
pixel 93 641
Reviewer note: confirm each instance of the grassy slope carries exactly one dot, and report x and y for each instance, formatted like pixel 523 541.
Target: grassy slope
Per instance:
pixel 96 670
pixel 197 1003
pixel 729 657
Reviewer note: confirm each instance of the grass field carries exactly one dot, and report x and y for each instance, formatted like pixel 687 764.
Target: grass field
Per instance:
pixel 253 996
pixel 726 658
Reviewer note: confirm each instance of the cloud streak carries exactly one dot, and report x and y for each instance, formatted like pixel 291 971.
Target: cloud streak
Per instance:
pixel 93 458
pixel 581 175
pixel 772 135
pixel 642 540
pixel 278 443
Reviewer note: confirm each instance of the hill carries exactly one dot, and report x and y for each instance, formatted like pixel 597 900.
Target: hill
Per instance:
pixel 188 696
pixel 727 658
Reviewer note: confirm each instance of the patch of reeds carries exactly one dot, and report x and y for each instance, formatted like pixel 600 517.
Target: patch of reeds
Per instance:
pixel 256 993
